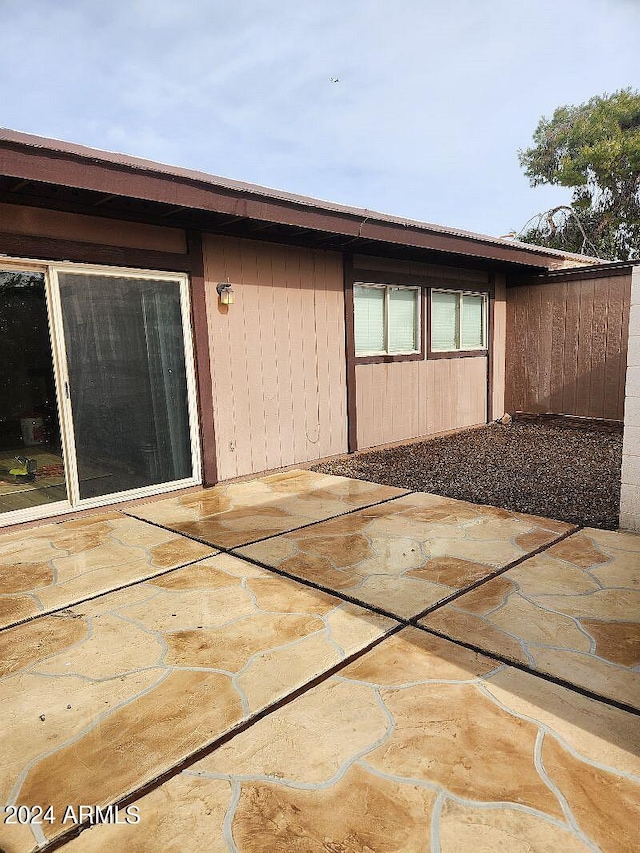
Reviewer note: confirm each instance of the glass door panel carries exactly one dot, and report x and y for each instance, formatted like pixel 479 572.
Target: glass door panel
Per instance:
pixel 127 381
pixel 32 468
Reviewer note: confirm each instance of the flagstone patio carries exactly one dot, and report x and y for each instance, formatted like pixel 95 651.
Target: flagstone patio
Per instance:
pixel 289 695
pixel 52 566
pixel 137 680
pixel 410 553
pixel 233 514
pixel 419 745
pixel 572 612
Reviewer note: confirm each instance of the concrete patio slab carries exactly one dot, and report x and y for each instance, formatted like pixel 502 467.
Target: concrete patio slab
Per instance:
pixel 572 612
pixel 56 565
pixel 410 553
pixel 419 745
pixel 233 514
pixel 101 698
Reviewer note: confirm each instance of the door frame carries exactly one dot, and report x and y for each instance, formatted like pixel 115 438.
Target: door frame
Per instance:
pixel 74 503
pixel 57 507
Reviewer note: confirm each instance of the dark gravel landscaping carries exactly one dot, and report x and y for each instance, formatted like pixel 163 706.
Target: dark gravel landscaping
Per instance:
pixel 563 472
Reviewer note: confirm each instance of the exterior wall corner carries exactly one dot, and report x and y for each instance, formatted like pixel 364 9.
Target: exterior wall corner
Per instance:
pixel 630 491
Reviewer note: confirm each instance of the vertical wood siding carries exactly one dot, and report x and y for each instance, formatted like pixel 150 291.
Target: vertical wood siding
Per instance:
pixel 566 349
pixel 277 355
pixel 407 399
pixel 401 400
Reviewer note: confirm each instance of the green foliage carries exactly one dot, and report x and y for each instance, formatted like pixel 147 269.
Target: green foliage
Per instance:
pixel 594 148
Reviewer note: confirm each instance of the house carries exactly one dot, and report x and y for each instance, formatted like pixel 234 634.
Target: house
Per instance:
pixel 164 328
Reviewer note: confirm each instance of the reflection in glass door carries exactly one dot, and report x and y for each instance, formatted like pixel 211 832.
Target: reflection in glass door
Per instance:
pixel 32 469
pixel 128 383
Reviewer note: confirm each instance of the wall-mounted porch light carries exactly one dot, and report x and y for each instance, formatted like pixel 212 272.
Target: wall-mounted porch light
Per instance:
pixel 225 293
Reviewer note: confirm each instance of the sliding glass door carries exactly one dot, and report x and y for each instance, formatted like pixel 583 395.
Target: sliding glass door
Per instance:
pixel 32 467
pixel 122 364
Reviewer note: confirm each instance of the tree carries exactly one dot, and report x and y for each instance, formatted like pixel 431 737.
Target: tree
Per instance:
pixel 594 148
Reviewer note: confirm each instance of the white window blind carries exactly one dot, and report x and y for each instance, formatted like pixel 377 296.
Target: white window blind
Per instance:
pixel 444 321
pixel 472 332
pixel 458 321
pixel 403 320
pixel 369 311
pixel 386 319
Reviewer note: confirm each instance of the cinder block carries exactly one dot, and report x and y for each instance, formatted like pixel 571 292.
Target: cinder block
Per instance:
pixel 630 498
pixel 632 412
pixel 630 521
pixel 634 319
pixel 633 353
pixel 631 470
pixel 635 286
pixel 631 443
pixel 632 387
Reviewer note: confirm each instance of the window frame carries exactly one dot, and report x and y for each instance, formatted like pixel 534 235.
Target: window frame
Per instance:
pixel 460 352
pixel 385 355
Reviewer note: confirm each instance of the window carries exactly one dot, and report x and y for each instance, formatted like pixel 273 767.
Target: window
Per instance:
pixel 458 321
pixel 387 319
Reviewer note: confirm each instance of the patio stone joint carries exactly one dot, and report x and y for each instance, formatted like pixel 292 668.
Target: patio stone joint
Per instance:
pixel 335 593
pixel 132 797
pixel 464 590
pixel 553 679
pixel 230 549
pixel 66 608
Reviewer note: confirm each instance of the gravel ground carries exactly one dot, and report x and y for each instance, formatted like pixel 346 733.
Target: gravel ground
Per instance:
pixel 571 474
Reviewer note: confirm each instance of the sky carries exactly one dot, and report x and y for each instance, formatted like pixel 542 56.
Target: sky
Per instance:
pixel 433 98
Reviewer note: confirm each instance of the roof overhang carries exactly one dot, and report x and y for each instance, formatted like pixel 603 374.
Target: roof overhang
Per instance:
pixel 53 174
pixel 605 269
